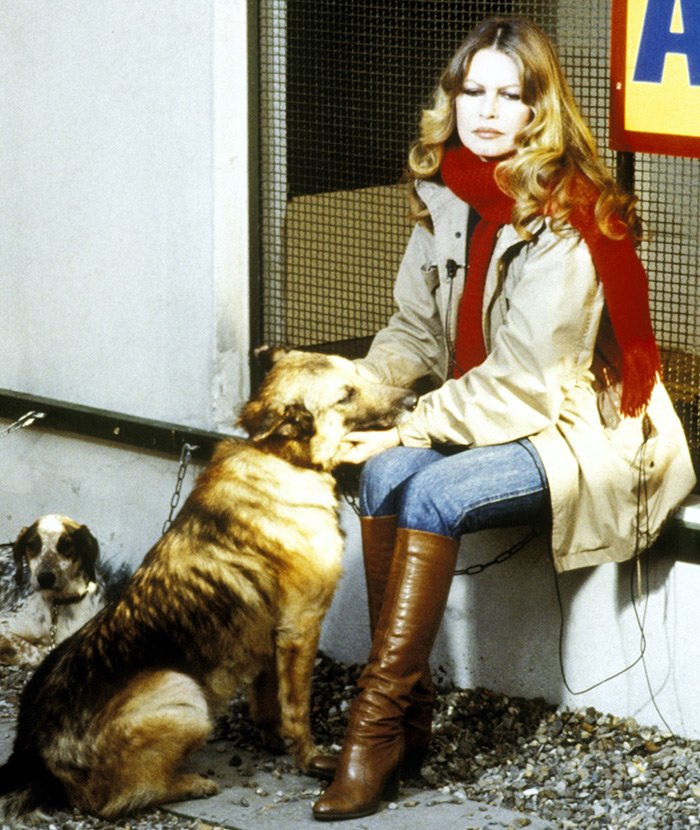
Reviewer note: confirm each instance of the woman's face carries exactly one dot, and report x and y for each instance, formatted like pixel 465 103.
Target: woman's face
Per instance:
pixel 489 110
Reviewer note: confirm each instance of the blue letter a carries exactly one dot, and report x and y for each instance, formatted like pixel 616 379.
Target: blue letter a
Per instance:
pixel 658 40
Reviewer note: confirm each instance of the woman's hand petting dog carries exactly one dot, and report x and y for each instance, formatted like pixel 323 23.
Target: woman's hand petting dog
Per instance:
pixel 358 447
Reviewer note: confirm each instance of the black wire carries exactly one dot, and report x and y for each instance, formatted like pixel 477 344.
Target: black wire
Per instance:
pixel 561 647
pixel 643 496
pixel 642 502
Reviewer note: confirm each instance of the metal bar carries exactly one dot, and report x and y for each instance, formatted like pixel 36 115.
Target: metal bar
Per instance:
pixel 113 427
pixel 353 347
pixel 255 252
pixel 624 162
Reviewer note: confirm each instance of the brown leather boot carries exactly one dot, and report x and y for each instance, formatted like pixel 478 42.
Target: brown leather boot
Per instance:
pixel 378 540
pixel 370 761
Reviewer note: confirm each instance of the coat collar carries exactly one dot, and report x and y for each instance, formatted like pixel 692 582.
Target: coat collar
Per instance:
pixel 449 214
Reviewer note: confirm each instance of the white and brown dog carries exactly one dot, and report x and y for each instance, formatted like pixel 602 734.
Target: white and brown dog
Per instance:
pixel 60 558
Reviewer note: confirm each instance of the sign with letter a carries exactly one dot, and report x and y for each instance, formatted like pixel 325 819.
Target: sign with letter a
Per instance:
pixel 655 77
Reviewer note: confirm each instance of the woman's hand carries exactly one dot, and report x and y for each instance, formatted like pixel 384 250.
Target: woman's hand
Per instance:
pixel 357 447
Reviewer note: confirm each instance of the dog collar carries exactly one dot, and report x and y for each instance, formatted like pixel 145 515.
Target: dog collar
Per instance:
pixel 91 588
pixel 58 603
pixel 69 600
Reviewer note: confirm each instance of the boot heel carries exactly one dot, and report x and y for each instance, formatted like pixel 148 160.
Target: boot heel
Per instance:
pixel 413 763
pixel 390 791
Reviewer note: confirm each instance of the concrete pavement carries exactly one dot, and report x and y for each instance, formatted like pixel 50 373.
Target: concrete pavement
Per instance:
pixel 256 795
pixel 261 792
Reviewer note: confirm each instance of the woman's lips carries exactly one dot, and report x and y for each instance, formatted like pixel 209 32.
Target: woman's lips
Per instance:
pixel 484 133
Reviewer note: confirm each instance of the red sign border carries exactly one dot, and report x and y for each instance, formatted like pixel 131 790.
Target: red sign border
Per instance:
pixel 628 140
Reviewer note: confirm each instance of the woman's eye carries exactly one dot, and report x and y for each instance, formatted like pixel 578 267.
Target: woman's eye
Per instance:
pixel 511 96
pixel 473 93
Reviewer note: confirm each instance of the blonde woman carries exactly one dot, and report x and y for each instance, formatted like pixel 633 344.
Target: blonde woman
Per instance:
pixel 521 298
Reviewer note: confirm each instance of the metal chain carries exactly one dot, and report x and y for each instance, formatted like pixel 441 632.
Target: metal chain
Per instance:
pixel 25 421
pixel 503 556
pixel 185 456
pixel 351 499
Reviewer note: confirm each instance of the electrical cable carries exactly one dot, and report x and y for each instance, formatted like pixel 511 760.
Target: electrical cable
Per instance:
pixel 642 532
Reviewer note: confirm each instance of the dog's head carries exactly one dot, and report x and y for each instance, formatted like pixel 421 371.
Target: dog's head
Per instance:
pixel 307 403
pixel 59 554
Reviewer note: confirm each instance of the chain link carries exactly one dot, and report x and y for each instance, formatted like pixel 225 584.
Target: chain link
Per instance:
pixel 351 499
pixel 25 421
pixel 503 556
pixel 185 457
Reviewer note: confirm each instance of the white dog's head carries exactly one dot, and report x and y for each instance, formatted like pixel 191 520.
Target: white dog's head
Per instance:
pixel 60 556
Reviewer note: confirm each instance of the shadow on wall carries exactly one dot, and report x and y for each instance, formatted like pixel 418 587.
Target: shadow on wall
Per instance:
pixel 521 629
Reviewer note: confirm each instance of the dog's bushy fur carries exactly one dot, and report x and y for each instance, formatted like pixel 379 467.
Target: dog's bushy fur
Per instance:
pixel 234 593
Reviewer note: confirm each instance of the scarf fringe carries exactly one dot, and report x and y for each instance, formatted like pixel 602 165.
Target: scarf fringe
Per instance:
pixel 641 370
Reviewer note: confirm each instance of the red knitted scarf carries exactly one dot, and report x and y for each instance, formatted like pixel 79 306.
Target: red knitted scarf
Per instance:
pixel 635 358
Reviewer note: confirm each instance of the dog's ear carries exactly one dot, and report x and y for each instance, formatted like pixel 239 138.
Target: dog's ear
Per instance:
pixel 267 356
pixel 19 554
pixel 294 421
pixel 89 551
pixel 298 422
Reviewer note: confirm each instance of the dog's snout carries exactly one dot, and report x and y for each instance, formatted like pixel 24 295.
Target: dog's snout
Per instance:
pixel 46 579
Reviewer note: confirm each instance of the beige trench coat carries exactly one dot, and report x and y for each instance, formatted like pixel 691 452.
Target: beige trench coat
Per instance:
pixel 541 315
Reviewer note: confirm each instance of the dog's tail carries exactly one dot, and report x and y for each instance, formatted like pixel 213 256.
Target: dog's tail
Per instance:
pixel 26 786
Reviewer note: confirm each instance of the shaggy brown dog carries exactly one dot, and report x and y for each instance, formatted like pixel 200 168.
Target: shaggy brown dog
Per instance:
pixel 234 593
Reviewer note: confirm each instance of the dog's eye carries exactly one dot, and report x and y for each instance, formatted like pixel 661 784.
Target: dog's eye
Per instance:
pixel 33 548
pixel 65 547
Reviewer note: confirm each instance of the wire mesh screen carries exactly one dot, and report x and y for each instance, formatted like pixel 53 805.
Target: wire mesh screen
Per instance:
pixel 342 83
pixel 670 201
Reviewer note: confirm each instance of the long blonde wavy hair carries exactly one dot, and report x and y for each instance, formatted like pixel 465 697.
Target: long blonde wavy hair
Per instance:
pixel 554 153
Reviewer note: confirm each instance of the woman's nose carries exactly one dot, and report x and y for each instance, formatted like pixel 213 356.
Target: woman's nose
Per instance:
pixel 488 106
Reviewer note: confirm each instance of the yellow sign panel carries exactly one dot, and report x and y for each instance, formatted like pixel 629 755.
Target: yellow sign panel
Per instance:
pixel 656 76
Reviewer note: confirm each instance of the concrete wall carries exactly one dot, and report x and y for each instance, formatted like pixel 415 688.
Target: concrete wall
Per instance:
pixel 123 243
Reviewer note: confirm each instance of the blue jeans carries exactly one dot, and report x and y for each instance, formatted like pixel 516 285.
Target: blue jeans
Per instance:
pixel 454 490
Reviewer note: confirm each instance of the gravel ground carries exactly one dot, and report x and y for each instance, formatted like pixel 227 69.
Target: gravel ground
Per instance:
pixel 578 769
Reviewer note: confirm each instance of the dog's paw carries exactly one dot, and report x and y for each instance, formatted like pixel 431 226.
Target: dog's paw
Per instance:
pixel 316 761
pixel 194 786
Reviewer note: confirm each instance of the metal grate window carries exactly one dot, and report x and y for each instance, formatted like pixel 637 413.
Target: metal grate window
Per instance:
pixel 341 87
